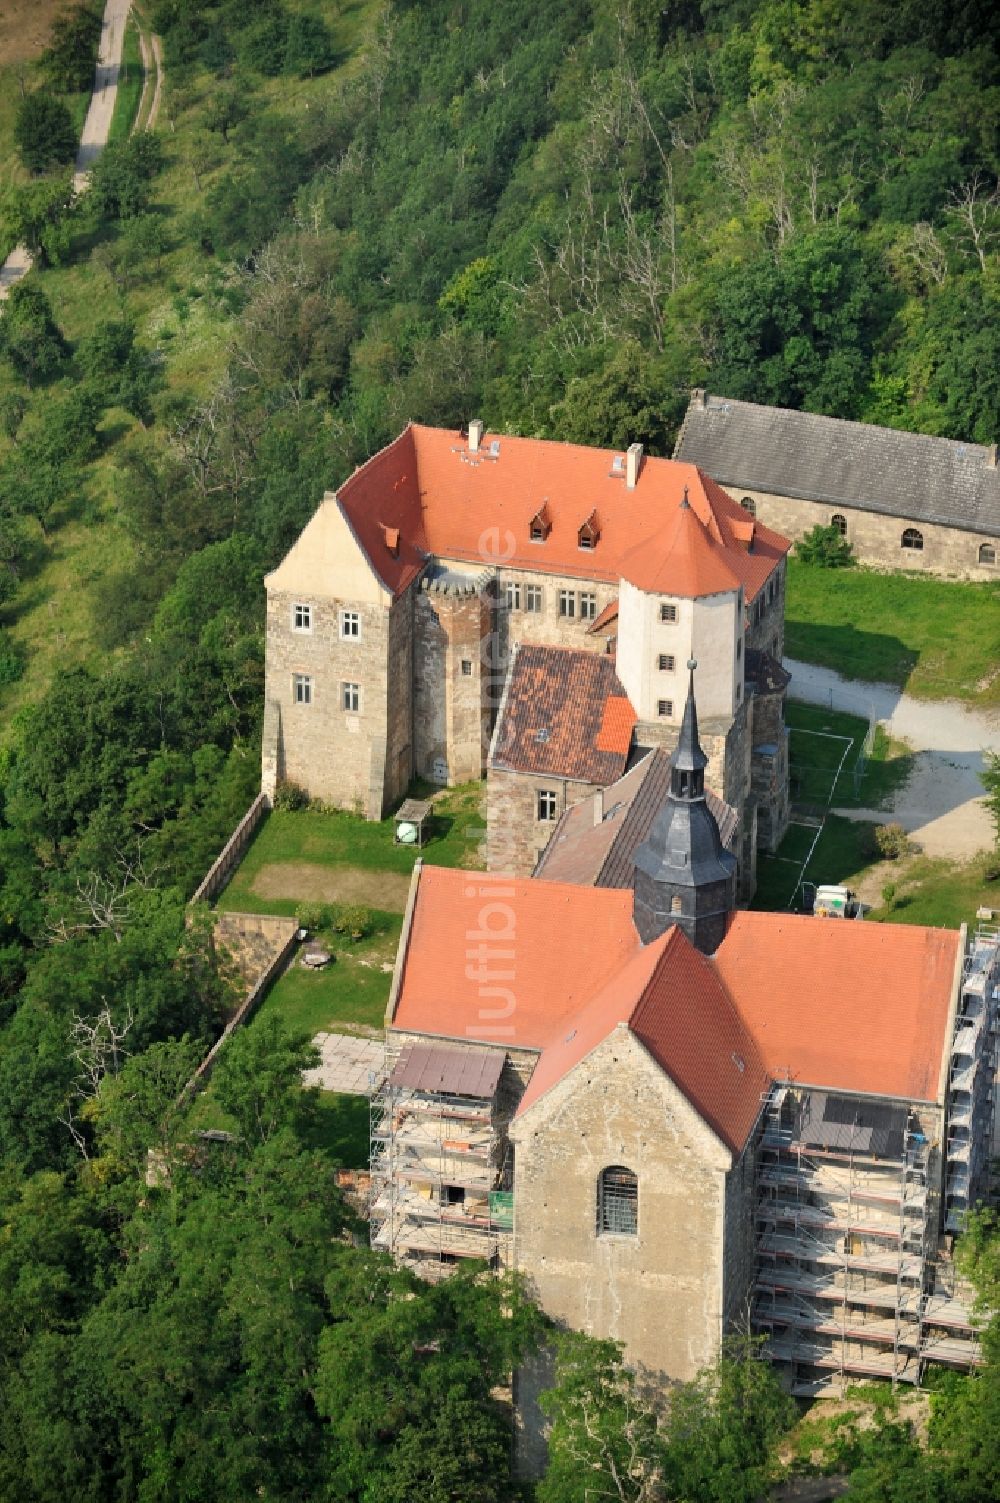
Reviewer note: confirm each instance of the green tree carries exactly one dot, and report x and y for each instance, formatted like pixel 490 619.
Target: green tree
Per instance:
pixel 258 1080
pixel 68 60
pixel 604 1439
pixel 826 547
pixel 29 336
pixel 43 131
pixel 121 183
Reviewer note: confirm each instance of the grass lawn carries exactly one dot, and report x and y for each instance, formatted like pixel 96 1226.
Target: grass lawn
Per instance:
pixel 841 854
pixel 822 741
pixel 353 989
pixel 342 842
pixel 936 638
pixel 940 893
pixel 339 1127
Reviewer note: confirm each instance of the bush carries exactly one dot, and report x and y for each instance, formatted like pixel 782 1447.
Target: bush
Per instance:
pixel 889 896
pixel 290 798
pixel 12 659
pixel 354 920
pixel 314 916
pixel 825 547
pixel 891 841
pixel 43 131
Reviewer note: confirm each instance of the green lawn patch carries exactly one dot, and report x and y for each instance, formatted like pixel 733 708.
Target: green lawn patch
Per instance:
pixel 339 1126
pixel 821 741
pixel 304 840
pixel 842 852
pixel 341 1129
pixel 352 990
pixel 938 639
pixel 940 893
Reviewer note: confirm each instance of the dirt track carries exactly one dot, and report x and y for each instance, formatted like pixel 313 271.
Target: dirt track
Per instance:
pixel 102 101
pixel 307 882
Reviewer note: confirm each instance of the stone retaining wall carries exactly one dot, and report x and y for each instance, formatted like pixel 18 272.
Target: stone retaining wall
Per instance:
pixel 232 852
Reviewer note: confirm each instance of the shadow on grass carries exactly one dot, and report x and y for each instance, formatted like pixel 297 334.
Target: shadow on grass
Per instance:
pixel 339 1126
pixel 842 852
pixel 873 656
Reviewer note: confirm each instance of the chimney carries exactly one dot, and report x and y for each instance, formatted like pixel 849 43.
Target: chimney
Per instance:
pixel 475 435
pixel 699 396
pixel 991 457
pixel 633 464
pixel 599 806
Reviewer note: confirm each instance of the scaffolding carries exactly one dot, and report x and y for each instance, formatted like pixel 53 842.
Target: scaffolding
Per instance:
pixel 853 1279
pixel 972 1080
pixel 441 1175
pixel 842 1238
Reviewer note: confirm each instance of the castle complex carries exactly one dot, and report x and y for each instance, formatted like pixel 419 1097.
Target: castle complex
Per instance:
pixel 409 627
pixel 669 1115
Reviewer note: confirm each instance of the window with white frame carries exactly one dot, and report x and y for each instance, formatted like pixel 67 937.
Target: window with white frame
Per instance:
pixel 546 804
pixel 664 708
pixel 588 607
pixel 302 689
pixel 302 617
pixel 668 613
pixel 533 597
pixel 665 662
pixel 567 603
pixel 466 667
pixel 513 595
pixel 350 696
pixel 350 624
pixel 617 1203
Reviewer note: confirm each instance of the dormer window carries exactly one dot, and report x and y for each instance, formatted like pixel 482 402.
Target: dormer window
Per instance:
pixel 391 537
pixel 589 532
pixel 540 525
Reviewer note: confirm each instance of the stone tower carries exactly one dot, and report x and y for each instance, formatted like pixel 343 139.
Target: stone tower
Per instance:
pixel 683 874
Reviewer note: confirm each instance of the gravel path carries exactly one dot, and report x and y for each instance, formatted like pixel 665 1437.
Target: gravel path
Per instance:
pixel 941 804
pixel 102 101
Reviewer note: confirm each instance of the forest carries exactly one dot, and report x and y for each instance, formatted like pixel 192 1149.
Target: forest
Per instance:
pixel 560 217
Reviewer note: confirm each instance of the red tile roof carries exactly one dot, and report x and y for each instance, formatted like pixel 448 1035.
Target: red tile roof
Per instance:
pixel 543 965
pixel 458 505
pixel 855 1007
pixel 565 713
pixel 671 999
pixel 475 937
pixel 609 614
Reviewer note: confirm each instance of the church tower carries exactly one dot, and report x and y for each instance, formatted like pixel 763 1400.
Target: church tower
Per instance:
pixel 683 875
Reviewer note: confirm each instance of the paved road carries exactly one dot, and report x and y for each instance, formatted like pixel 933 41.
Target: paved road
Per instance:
pixel 17 265
pixel 941 804
pixel 102 101
pixel 95 127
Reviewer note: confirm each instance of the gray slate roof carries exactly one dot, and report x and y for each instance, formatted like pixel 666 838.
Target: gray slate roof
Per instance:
pixel 746 446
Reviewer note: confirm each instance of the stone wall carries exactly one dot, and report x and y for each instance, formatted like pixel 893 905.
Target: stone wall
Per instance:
pixel 765 616
pixel 232 852
pixel 659 1292
pixel 546 627
pixel 452 682
pixel 515 836
pixel 947 551
pixel 739 1244
pixel 325 748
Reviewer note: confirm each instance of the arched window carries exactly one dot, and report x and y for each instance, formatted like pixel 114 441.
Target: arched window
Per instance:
pixel 839 521
pixel 617 1203
pixel 912 539
pixel 749 505
pixel 987 553
pixel 676 906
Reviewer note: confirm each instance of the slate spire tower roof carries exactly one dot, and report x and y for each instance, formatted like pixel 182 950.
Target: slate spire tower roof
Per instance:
pixel 683 873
